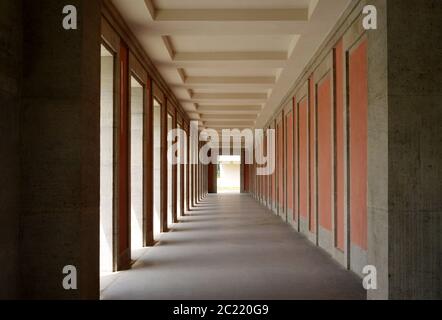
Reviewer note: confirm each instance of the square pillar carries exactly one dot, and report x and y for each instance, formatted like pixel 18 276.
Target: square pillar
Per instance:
pixel 405 149
pixel 60 150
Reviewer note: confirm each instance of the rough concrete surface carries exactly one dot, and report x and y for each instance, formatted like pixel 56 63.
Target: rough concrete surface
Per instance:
pixel 415 149
pixel 10 80
pixel 60 143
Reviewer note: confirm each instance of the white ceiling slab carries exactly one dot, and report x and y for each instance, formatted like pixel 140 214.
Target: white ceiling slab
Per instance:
pixel 229 71
pixel 231 110
pixel 231 57
pixel 232 4
pixel 232 43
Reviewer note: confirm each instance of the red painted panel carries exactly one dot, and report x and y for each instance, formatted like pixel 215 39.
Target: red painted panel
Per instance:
pixel 325 153
pixel 296 162
pixel 260 191
pixel 257 179
pixel 289 126
pixel 211 178
pixel 123 164
pixel 276 176
pixel 358 104
pixel 274 179
pixel 280 165
pixel 246 177
pixel 312 156
pixel 261 187
pixel 340 146
pixel 266 178
pixel 303 159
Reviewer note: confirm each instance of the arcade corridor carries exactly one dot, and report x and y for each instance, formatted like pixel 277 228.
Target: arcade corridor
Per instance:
pixel 111 113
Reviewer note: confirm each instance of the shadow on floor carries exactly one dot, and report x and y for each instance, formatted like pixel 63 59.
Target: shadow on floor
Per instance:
pixel 234 250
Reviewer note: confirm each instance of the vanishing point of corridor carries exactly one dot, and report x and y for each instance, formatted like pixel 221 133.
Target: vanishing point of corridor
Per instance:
pixel 230 247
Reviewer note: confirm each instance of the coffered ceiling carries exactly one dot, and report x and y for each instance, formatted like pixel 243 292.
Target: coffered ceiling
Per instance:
pixel 231 62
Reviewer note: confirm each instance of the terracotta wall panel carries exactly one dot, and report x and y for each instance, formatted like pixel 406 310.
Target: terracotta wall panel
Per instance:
pixel 340 146
pixel 303 159
pixel 281 189
pixel 296 162
pixel 325 153
pixel 289 139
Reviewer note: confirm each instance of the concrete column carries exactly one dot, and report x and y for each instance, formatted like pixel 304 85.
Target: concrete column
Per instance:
pixel 191 175
pixel 10 83
pixel 405 202
pixel 242 172
pixel 211 177
pixel 60 150
pixel 207 181
pixel 415 148
pixel 191 172
pixel 206 178
pixel 163 172
pixel 198 175
pixel 188 173
pixel 201 177
pixel 175 180
pixel 149 168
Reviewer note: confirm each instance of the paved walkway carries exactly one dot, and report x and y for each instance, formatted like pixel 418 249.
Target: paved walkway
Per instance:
pixel 230 247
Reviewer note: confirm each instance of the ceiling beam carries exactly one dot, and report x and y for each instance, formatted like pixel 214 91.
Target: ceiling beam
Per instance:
pixel 229 108
pixel 231 80
pixel 239 124
pixel 301 14
pixel 229 96
pixel 151 8
pixel 232 122
pixel 182 75
pixel 230 117
pixel 233 64
pixel 231 56
pixel 220 131
pixel 168 44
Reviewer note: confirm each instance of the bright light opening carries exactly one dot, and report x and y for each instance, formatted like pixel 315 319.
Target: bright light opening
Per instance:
pixel 178 179
pixel 157 169
pixel 229 174
pixel 169 177
pixel 136 164
pixel 106 161
pixel 185 168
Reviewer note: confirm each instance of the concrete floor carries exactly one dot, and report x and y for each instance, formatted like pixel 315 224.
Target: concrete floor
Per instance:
pixel 230 247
